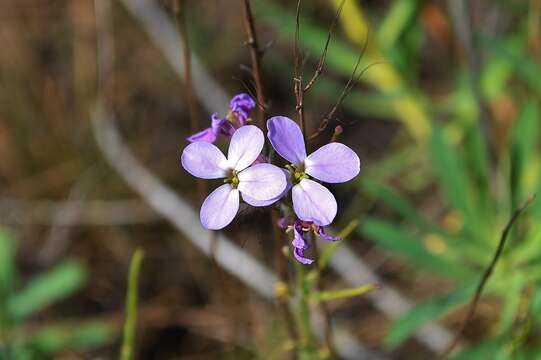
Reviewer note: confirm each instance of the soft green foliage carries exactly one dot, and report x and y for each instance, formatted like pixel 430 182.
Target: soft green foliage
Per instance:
pixel 18 303
pixel 480 178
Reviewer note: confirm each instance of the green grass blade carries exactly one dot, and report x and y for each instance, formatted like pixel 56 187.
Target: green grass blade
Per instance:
pixel 128 343
pixel 344 293
pixel 409 246
pixel 405 326
pixel 47 288
pixel 401 14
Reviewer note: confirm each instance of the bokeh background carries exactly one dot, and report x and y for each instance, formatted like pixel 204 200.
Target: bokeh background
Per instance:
pixel 445 120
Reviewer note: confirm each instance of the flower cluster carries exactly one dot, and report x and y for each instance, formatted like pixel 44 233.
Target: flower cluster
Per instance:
pixel 248 175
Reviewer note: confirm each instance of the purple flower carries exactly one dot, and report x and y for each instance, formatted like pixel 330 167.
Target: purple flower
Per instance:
pixel 260 182
pixel 331 163
pixel 240 107
pixel 300 245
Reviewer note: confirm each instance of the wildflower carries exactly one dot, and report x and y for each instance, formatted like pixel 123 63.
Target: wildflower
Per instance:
pixel 240 107
pixel 331 163
pixel 300 228
pixel 260 182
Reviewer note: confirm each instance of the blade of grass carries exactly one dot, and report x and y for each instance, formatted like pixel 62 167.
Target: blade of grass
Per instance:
pixel 47 288
pixel 128 343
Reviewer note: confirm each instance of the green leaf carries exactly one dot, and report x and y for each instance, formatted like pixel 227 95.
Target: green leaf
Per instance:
pixel 405 244
pixel 56 338
pixel 424 312
pixel 344 293
pixel 524 144
pixel 47 288
pixel 398 203
pixel 7 274
pixel 401 14
pixel 451 173
pixel 128 344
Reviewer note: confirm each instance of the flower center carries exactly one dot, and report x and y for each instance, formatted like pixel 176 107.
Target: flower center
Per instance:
pixel 233 179
pixel 297 173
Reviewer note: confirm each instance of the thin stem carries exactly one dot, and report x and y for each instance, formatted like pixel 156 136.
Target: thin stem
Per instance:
pixel 329 336
pixel 193 108
pixel 128 344
pixel 306 343
pixel 486 276
pixel 255 54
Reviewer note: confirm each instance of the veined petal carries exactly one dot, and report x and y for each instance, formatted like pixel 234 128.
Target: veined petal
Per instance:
pixel 286 138
pixel 262 182
pixel 220 207
pixel 260 203
pixel 299 255
pixel 333 163
pixel 207 135
pixel 245 146
pixel 313 202
pixel 204 160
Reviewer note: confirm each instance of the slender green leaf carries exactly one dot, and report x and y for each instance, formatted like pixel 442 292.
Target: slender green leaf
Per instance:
pixel 405 244
pixel 46 289
pixel 401 14
pixel 344 293
pixel 56 338
pixel 128 344
pixel 7 273
pixel 432 309
pixel 524 143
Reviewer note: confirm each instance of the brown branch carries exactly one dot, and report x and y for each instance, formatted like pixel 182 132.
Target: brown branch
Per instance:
pixel 193 108
pixel 255 54
pixel 485 277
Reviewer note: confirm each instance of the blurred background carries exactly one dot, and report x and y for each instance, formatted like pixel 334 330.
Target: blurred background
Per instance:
pixel 445 120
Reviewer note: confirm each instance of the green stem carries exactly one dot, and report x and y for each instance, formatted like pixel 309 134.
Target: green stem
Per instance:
pixel 128 343
pixel 307 348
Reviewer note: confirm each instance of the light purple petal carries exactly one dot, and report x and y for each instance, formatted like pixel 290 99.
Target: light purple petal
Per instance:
pixel 299 255
pixel 333 163
pixel 222 126
pixel 321 232
pixel 262 182
pixel 204 160
pixel 260 203
pixel 286 138
pixel 207 135
pixel 242 104
pixel 246 145
pixel 220 207
pixel 313 202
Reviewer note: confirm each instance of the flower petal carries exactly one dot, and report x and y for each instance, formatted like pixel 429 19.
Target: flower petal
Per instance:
pixel 299 255
pixel 222 126
pixel 260 203
pixel 246 145
pixel 220 207
pixel 262 182
pixel 321 232
pixel 204 160
pixel 313 202
pixel 286 138
pixel 242 104
pixel 333 163
pixel 207 135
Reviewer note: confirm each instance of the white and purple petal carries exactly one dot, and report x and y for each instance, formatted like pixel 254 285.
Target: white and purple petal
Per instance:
pixel 207 135
pixel 333 163
pixel 286 138
pixel 245 146
pixel 204 160
pixel 313 202
pixel 262 182
pixel 260 203
pixel 220 207
pixel 321 232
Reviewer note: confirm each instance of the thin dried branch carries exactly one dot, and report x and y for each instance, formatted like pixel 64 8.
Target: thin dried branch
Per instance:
pixel 255 54
pixel 486 275
pixel 321 63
